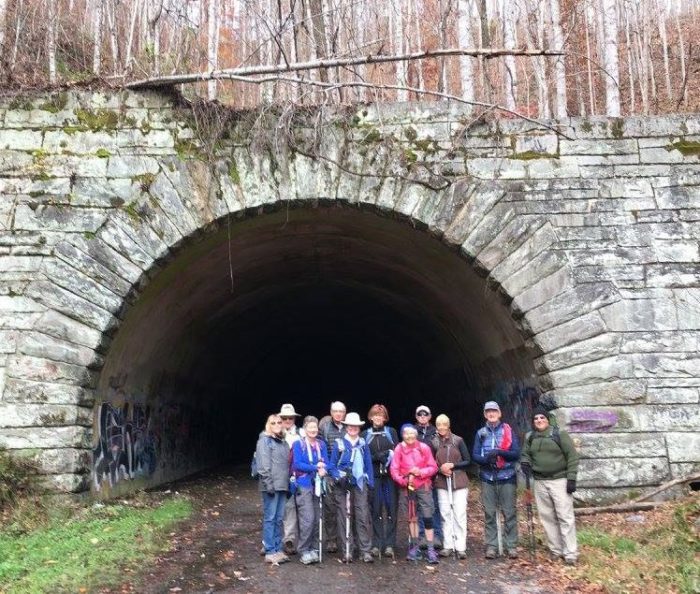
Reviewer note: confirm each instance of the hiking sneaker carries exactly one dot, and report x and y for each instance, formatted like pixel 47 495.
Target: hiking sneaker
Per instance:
pixel 375 551
pixel 432 555
pixel 490 552
pixel 437 542
pixel 289 548
pixel 512 553
pixel 271 558
pixel 462 554
pixel 331 547
pixel 414 553
pixel 570 561
pixel 307 558
pixel 446 552
pixel 281 557
pixel 389 552
pixel 367 558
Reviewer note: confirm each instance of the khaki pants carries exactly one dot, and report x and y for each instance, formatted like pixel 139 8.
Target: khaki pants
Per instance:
pixel 556 510
pixel 291 528
pixel 460 518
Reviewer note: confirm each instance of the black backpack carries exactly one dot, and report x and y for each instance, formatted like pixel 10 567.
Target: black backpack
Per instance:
pixel 555 437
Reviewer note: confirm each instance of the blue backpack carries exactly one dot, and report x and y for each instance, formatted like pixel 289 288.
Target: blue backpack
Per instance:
pixel 369 436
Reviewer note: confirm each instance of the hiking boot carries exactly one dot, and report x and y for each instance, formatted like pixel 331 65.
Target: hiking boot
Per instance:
pixel 389 552
pixel 437 542
pixel 432 555
pixel 346 558
pixel 490 552
pixel 307 558
pixel 281 557
pixel 512 553
pixel 570 561
pixel 462 554
pixel 331 547
pixel 367 558
pixel 446 552
pixel 271 558
pixel 375 551
pixel 423 543
pixel 289 548
pixel 414 553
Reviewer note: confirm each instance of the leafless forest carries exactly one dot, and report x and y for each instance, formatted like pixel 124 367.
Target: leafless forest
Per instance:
pixel 540 58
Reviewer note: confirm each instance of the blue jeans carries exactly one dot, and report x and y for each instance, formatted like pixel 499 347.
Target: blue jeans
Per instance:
pixel 437 519
pixel 273 514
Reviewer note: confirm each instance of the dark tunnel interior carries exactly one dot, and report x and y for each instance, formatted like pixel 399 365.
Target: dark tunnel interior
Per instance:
pixel 306 305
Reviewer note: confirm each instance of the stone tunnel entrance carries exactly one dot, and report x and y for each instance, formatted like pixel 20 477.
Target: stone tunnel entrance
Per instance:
pixel 301 305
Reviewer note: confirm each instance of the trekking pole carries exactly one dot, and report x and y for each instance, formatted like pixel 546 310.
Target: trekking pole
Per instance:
pixel 348 556
pixel 412 516
pixel 530 518
pixel 499 520
pixel 451 499
pixel 319 487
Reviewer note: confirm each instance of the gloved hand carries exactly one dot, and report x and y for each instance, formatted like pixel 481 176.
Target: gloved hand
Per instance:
pixel 570 486
pixel 342 482
pixel 526 468
pixel 491 456
pixel 270 492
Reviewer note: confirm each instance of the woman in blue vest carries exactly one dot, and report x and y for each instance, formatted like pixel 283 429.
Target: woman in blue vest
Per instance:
pixel 351 467
pixel 309 461
pixel 381 441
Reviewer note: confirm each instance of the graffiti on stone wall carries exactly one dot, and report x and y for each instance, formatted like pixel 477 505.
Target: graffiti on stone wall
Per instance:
pixel 126 446
pixel 582 421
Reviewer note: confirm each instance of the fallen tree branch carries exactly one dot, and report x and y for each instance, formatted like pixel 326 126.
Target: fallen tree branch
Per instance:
pixel 618 508
pixel 232 73
pixel 668 485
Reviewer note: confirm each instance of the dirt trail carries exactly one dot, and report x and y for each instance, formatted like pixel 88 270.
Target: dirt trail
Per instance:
pixel 217 550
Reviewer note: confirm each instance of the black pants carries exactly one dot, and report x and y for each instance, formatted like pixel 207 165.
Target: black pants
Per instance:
pixel 384 504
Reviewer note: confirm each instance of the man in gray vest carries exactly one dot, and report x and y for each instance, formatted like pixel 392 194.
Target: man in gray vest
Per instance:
pixel 291 434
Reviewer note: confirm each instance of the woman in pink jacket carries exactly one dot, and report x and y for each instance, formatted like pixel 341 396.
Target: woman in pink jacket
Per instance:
pixel 413 467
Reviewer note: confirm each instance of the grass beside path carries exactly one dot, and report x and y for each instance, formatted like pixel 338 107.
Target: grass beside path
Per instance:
pixel 646 552
pixel 80 550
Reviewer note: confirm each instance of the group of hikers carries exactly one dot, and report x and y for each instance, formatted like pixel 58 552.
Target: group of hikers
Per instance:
pixel 329 486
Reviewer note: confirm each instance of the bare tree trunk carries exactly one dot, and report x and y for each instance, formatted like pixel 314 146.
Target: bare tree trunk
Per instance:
pixel 535 19
pixel 559 67
pixel 113 42
pixel 445 7
pixel 588 19
pixel 397 48
pixel 51 14
pixel 630 61
pixel 212 46
pixel 681 54
pixel 415 27
pixel 97 36
pixel 3 24
pixel 662 15
pixel 135 9
pixel 465 22
pixel 610 59
pixel 320 36
pixel 510 17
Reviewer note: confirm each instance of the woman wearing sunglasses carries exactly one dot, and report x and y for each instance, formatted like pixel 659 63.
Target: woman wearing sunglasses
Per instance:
pixel 272 456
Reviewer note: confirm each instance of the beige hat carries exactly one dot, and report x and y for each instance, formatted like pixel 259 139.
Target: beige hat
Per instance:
pixel 353 418
pixel 287 410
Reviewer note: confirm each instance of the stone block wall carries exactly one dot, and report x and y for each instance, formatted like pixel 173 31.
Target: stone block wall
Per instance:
pixel 590 229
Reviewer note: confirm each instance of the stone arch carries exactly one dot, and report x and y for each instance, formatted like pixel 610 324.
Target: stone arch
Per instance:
pixel 95 279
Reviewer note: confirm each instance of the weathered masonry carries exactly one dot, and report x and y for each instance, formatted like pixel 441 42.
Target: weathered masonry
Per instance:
pixel 169 277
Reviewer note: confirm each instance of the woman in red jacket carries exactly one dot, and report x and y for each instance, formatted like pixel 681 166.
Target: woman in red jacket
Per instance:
pixel 413 467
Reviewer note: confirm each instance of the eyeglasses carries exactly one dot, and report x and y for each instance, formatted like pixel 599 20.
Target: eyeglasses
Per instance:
pixel 423 414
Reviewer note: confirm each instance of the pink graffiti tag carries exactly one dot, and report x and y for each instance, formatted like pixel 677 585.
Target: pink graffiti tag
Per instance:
pixel 591 420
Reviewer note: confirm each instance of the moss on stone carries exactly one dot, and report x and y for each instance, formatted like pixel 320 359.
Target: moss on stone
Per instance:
pixel 372 136
pixel 186 149
pixel 71 130
pixel 101 119
pixel 55 103
pixel 35 193
pixel 145 126
pixel 687 148
pixel 103 153
pixel 131 210
pixel 410 156
pixel 89 235
pixel 531 155
pixel 145 181
pixel 617 128
pixel 233 172
pixel 410 133
pixel 586 126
